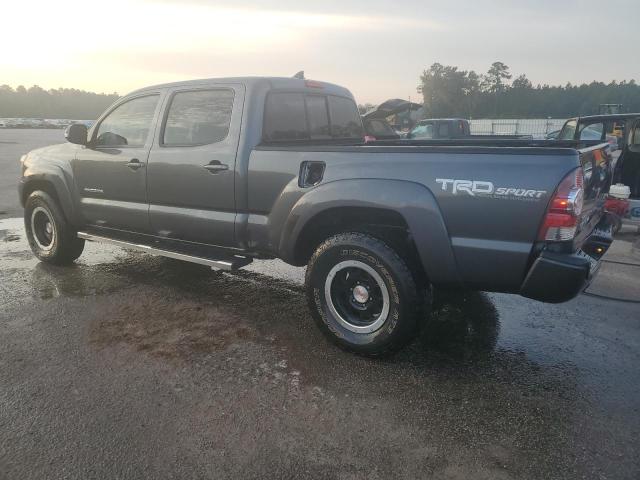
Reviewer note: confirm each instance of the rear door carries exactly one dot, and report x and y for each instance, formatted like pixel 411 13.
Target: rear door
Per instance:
pixel 110 173
pixel 192 165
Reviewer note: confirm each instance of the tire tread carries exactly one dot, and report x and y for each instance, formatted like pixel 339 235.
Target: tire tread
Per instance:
pixel 417 293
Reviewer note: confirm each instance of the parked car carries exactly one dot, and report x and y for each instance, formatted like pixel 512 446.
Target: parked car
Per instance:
pixel 606 128
pixel 375 120
pixel 222 171
pixel 622 133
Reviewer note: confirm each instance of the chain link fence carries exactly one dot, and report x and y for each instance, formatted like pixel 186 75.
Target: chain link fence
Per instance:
pixel 538 127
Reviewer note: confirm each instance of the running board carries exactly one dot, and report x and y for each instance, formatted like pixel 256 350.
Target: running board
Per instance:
pixel 232 262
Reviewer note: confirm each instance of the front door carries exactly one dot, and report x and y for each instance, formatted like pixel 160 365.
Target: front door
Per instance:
pixel 192 166
pixel 110 172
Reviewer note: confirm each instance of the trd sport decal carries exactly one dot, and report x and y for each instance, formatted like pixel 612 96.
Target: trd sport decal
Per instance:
pixel 478 188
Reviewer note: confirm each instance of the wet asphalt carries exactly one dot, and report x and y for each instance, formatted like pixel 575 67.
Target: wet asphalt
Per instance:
pixel 132 366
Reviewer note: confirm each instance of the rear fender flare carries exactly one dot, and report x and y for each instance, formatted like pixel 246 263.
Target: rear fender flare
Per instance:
pixel 414 202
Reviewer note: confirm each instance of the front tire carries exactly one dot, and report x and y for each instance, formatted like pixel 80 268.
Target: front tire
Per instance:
pixel 363 296
pixel 51 238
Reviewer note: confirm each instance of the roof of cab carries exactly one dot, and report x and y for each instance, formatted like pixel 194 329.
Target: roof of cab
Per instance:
pixel 283 83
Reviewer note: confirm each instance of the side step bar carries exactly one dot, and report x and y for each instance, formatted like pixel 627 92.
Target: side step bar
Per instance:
pixel 232 262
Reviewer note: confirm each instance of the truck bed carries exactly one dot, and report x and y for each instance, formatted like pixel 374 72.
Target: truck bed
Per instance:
pixel 491 235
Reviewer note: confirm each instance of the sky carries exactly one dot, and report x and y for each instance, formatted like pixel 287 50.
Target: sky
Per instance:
pixel 376 48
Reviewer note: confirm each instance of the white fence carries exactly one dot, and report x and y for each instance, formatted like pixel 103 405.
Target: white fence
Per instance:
pixel 538 127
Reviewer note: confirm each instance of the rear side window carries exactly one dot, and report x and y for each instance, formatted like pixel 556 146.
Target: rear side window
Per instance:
pixel 345 119
pixel 198 117
pixel 298 116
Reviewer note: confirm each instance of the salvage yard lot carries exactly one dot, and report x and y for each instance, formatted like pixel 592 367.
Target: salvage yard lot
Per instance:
pixel 132 366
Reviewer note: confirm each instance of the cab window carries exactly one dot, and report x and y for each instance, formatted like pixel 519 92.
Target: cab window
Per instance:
pixel 379 128
pixel 593 131
pixel 443 130
pixel 318 116
pixel 198 117
pixel 298 116
pixel 568 131
pixel 634 138
pixel 345 118
pixel 285 118
pixel 423 131
pixel 129 124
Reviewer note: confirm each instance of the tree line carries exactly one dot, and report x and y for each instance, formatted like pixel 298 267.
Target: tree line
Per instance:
pixel 35 102
pixel 448 91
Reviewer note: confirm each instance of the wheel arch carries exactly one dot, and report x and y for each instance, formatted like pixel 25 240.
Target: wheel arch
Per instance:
pixel 392 205
pixel 53 185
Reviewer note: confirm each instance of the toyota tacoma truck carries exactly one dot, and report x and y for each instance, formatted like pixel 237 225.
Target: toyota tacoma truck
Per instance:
pixel 224 171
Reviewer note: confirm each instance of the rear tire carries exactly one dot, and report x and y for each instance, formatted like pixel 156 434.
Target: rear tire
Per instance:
pixel 51 238
pixel 363 296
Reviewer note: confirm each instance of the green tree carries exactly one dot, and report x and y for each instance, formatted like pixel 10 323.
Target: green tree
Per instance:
pixel 522 82
pixel 495 79
pixel 448 91
pixel 56 103
pixel 444 89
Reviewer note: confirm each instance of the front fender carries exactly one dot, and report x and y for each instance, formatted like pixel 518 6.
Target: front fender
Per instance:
pixel 53 176
pixel 414 202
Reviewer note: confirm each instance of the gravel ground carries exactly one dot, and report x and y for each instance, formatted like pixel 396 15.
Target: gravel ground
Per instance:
pixel 132 366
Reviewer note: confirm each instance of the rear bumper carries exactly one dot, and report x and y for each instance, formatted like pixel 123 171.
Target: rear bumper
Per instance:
pixel 558 277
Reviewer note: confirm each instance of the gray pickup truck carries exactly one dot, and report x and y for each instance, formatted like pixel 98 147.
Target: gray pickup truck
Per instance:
pixel 223 171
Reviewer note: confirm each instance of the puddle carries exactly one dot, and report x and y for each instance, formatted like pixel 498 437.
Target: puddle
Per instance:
pixel 167 324
pixel 50 281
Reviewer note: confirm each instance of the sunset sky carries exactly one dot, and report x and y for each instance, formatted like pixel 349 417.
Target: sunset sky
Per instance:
pixel 376 48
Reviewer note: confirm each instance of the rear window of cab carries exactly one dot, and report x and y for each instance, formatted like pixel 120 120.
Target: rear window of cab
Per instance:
pixel 295 116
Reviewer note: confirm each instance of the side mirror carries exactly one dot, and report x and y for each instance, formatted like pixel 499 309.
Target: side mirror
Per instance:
pixel 76 133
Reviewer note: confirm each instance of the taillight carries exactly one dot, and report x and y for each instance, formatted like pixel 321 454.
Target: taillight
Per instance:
pixel 561 221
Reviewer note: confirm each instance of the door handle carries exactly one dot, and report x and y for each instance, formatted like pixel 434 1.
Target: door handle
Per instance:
pixel 135 164
pixel 216 167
